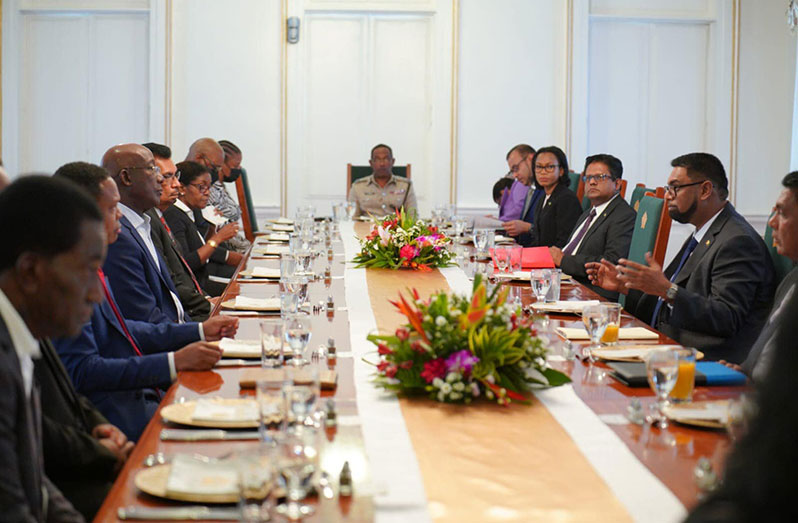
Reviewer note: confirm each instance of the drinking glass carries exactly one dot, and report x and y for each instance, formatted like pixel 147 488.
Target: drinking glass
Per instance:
pixel 298 460
pixel 541 281
pixel 339 211
pixel 480 241
pixel 460 225
pixel 662 368
pixel 297 285
pixel 516 254
pixel 502 257
pixel 595 319
pixel 350 210
pixel 304 261
pixel 271 343
pixel 297 334
pixel 289 302
pixel 287 265
pixel 269 396
pixel 685 379
pixel 299 401
pixel 610 336
pixel 305 211
pixel 255 482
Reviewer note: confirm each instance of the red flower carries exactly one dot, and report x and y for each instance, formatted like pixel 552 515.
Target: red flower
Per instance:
pixel 383 349
pixel 408 252
pixel 390 372
pixel 402 333
pixel 406 364
pixel 434 369
pixel 417 346
pixel 381 366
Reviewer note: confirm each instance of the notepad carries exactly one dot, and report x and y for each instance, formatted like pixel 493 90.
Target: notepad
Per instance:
pixel 260 304
pixel 209 213
pixel 210 410
pixel 241 348
pixel 569 306
pixel 189 475
pixel 265 272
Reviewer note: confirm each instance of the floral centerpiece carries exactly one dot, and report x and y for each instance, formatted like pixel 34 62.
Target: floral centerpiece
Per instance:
pixel 456 349
pixel 402 241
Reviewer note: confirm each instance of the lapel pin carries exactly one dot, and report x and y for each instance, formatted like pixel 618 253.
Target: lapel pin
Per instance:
pixel 707 242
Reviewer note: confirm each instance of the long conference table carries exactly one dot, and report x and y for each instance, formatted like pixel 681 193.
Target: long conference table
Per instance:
pixel 571 455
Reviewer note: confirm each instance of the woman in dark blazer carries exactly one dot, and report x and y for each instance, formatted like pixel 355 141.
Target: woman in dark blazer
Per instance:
pixel 195 180
pixel 557 212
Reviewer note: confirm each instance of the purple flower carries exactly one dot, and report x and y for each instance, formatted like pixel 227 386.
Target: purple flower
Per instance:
pixel 461 362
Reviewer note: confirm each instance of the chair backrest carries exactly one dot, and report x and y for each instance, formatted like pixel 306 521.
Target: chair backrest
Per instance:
pixel 248 216
pixel 637 193
pixel 356 172
pixel 586 201
pixel 782 263
pixel 651 232
pixel 576 178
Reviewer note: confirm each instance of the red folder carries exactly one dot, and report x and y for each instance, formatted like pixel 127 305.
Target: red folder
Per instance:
pixel 536 258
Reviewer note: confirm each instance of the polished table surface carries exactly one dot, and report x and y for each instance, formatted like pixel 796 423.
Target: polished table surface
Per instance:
pixel 671 454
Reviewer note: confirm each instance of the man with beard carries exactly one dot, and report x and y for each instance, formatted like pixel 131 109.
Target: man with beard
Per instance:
pixel 716 293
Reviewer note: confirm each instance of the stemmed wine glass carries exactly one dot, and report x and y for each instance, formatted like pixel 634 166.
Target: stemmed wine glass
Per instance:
pixel 480 241
pixel 350 210
pixel 541 283
pixel 662 369
pixel 297 334
pixel 298 460
pixel 595 319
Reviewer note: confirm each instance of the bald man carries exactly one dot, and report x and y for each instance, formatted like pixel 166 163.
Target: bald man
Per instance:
pixel 136 271
pixel 5 181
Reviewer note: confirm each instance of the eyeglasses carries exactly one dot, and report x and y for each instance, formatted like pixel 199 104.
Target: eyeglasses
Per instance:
pixel 201 187
pixel 674 189
pixel 514 168
pixel 169 176
pixel 546 168
pixel 587 178
pixel 151 168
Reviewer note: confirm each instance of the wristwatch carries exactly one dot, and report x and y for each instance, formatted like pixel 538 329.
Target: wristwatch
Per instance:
pixel 670 294
pixel 213 244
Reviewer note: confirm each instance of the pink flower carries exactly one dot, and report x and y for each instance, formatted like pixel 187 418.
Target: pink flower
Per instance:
pixel 408 252
pixel 434 369
pixel 385 236
pixel 402 333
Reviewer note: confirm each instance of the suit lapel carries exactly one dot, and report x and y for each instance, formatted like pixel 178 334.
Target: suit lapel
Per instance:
pixel 599 219
pixel 703 247
pixel 158 269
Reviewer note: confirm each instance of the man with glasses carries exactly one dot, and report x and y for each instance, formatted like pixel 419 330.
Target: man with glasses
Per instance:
pixel 189 290
pixel 522 196
pixel 136 271
pixel 716 293
pixel 604 230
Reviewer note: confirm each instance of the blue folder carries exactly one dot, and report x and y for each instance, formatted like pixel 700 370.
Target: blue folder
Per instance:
pixel 707 373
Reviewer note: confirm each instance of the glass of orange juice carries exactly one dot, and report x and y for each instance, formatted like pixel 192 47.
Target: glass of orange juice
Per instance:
pixel 610 336
pixel 685 382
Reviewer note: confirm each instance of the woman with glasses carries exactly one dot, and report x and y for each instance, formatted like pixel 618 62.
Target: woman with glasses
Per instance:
pixel 557 212
pixel 204 257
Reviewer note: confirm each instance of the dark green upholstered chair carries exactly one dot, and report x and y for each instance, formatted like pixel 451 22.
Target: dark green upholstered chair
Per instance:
pixel 356 172
pixel 248 216
pixel 575 180
pixel 782 264
pixel 637 193
pixel 652 229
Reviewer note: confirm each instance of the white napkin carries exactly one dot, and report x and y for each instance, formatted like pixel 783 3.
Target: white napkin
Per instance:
pixel 637 352
pixel 265 272
pixel 283 220
pixel 709 411
pixel 271 248
pixel 502 239
pixel 624 333
pixel 282 227
pixel 244 302
pixel 240 347
pixel 210 410
pixel 566 305
pixel 278 237
pixel 193 476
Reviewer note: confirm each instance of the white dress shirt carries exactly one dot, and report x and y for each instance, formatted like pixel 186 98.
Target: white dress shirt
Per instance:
pixel 26 346
pixel 599 209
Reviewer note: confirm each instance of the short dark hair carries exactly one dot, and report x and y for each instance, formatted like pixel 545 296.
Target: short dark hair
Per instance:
pixel 498 187
pixel 190 171
pixel 706 165
pixel 44 215
pixel 159 150
pixel 613 164
pixel 87 175
pixel 381 146
pixel 561 159
pixel 229 147
pixel 522 148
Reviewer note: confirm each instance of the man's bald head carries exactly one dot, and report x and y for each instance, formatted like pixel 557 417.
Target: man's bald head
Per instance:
pixel 133 168
pixel 209 153
pixel 5 181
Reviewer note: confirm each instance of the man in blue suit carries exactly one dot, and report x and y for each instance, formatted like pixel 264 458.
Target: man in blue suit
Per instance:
pixel 137 273
pixel 118 363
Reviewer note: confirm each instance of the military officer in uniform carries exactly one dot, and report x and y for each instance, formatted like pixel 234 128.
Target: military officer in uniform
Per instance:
pixel 382 192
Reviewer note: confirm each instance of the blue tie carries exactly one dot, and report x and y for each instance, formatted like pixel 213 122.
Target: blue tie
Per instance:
pixel 691 245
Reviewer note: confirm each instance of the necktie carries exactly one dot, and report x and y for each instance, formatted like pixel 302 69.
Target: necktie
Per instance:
pixel 182 260
pixel 527 201
pixel 688 250
pixel 118 315
pixel 569 249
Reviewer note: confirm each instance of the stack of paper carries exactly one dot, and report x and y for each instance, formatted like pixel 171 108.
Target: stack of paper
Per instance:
pixel 258 304
pixel 189 475
pixel 239 348
pixel 625 333
pixel 265 272
pixel 229 411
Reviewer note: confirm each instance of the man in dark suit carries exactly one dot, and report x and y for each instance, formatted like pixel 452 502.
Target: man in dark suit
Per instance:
pixel 717 292
pixel 189 290
pixel 604 230
pixel 519 159
pixel 48 284
pixel 118 363
pixel 784 223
